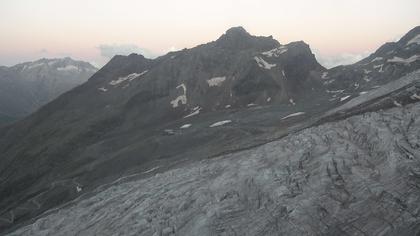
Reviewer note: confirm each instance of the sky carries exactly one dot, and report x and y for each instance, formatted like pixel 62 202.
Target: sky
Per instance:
pixel 338 31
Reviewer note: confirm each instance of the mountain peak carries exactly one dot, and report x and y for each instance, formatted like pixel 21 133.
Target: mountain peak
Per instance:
pixel 237 38
pixel 237 31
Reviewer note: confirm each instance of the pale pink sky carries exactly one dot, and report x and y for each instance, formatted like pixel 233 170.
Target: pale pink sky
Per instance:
pixel 94 30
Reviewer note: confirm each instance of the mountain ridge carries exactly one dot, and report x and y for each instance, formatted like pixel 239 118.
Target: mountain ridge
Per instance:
pixel 27 86
pixel 137 114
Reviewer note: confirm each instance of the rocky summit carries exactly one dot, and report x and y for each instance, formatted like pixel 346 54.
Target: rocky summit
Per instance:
pixel 239 136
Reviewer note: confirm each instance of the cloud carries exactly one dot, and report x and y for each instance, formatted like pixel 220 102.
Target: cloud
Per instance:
pixel 43 51
pixel 173 49
pixel 108 50
pixel 330 61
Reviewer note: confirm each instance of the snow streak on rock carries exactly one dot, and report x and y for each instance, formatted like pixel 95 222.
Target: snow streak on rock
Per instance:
pixel 276 52
pixel 263 64
pixel 129 77
pixel 220 123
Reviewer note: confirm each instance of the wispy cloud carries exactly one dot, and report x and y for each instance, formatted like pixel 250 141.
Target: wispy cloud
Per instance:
pixel 43 51
pixel 110 50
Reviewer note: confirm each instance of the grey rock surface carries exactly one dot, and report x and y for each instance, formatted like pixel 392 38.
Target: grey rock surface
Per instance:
pixel 359 176
pixel 114 124
pixel 137 117
pixel 27 86
pixel 392 60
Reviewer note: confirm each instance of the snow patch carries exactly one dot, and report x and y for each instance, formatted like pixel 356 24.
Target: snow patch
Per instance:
pixel 275 52
pixel 169 131
pixel 51 63
pixel 251 105
pixel 377 59
pixel 414 40
pixel 293 115
pixel 284 75
pixel 148 171
pixel 216 81
pixel 78 189
pixel 129 77
pixel 415 96
pixel 186 126
pixel 228 106
pixel 364 92
pixel 182 98
pixel 33 65
pixel 196 111
pixel 397 104
pixel 344 98
pixel 269 99
pixel 263 64
pixel 292 102
pixel 335 91
pixel 102 89
pixel 367 71
pixel 324 75
pixel 404 61
pixel 379 67
pixel 367 78
pixel 68 68
pixel 220 123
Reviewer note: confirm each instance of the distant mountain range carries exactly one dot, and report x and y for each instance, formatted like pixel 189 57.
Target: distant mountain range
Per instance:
pixel 27 86
pixel 136 117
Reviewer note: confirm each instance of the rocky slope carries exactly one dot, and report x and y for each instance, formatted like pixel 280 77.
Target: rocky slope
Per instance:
pixel 123 118
pixel 390 61
pixel 26 87
pixel 136 117
pixel 359 176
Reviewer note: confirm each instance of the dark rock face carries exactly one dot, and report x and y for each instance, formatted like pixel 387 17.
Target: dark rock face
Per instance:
pixel 136 117
pixel 116 121
pixel 26 87
pixel 390 61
